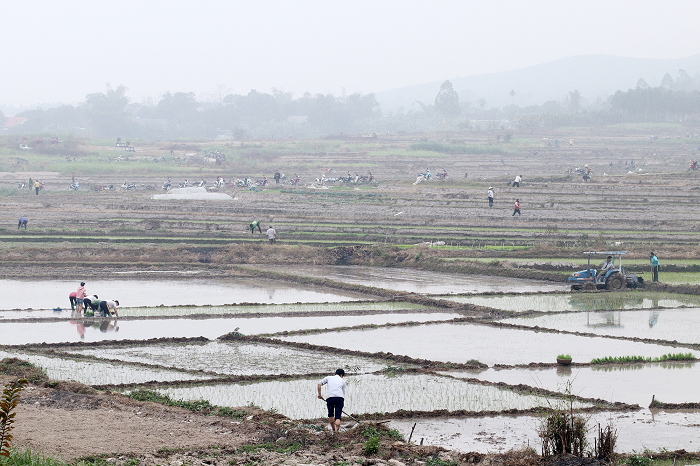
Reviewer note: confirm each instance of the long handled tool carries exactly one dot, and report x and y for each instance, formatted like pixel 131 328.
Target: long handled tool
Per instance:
pixel 323 399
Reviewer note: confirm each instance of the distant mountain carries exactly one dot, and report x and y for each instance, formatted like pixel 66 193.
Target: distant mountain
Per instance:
pixel 593 75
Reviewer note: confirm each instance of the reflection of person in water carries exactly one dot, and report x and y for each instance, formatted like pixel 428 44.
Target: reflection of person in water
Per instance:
pixel 653 318
pixel 80 327
pixel 109 326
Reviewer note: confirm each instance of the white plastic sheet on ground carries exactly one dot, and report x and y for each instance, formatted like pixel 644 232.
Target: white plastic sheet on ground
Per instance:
pixel 192 194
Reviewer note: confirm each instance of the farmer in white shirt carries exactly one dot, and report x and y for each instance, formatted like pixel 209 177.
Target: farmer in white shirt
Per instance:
pixel 271 234
pixel 336 397
pixel 518 179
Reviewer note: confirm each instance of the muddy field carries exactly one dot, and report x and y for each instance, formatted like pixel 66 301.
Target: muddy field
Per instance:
pixel 445 313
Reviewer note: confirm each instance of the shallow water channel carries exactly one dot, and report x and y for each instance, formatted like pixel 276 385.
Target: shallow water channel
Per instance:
pixel 49 294
pixel 460 342
pixel 421 281
pixel 17 333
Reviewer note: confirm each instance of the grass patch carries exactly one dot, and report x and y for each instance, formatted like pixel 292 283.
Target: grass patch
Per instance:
pixel 633 359
pixel 28 458
pixel 24 370
pixel 197 406
pixel 283 447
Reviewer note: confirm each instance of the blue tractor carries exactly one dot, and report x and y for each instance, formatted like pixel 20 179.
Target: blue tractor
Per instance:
pixel 614 278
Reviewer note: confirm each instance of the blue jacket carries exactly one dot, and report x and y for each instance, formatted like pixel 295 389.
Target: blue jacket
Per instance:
pixel 654 261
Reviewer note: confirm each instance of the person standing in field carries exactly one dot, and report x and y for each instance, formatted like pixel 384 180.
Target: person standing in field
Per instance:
pixel 490 194
pixel 73 301
pixel 271 234
pixel 253 225
pixel 336 397
pixel 37 186
pixel 516 208
pixel 80 297
pixel 277 177
pixel 654 267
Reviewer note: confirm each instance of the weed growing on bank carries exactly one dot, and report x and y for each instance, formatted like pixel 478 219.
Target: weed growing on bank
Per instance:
pixel 197 406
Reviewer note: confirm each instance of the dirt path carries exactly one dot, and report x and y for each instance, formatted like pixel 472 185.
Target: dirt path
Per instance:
pixel 73 425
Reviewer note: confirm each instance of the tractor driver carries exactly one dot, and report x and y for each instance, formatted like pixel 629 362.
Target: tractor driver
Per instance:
pixel 605 266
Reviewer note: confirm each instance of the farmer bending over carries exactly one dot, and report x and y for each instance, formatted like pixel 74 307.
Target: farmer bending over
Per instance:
pixel 336 397
pixel 254 225
pixel 22 223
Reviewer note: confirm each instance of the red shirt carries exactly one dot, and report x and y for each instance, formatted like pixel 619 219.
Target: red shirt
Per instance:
pixel 517 205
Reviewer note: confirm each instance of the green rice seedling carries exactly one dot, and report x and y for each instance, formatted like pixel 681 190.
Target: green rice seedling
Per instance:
pixel 633 359
pixel 564 356
pixel 371 446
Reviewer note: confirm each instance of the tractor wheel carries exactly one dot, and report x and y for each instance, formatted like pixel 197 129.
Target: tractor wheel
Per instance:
pixel 616 283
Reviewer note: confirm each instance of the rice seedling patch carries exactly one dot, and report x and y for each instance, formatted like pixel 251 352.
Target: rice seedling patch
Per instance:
pixel 365 394
pixel 238 358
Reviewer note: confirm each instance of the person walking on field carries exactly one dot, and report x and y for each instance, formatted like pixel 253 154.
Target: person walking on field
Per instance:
pixel 37 186
pixel 490 193
pixel 654 267
pixel 516 182
pixel 336 397
pixel 22 223
pixel 516 208
pixel 254 225
pixel 271 234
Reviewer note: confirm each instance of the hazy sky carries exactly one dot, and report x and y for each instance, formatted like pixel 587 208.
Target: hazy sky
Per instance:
pixel 62 50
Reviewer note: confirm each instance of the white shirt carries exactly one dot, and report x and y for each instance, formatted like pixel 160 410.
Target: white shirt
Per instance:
pixel 111 304
pixel 336 386
pixel 518 179
pixel 490 192
pixel 271 233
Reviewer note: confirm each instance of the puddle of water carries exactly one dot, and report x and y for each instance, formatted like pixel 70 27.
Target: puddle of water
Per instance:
pixel 636 431
pixel 367 393
pixel 682 325
pixel 226 310
pixel 238 358
pixel 421 281
pixel 98 373
pixel 59 332
pixel 580 301
pixel 459 342
pixel 633 384
pixel 49 294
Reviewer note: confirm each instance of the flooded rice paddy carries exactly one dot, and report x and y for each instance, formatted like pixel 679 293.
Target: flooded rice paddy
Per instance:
pixel 49 294
pixel 421 281
pixel 459 343
pixel 675 382
pixel 580 301
pixel 97 372
pixel 637 431
pixel 193 307
pixel 682 325
pixel 17 333
pixel 184 311
pixel 239 358
pixel 369 393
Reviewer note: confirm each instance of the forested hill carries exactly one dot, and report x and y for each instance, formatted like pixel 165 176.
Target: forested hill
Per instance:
pixel 593 75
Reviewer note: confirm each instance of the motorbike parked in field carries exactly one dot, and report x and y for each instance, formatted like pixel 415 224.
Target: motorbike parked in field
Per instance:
pixel 167 185
pixel 127 186
pixel 423 177
pixel 74 186
pixel 442 176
